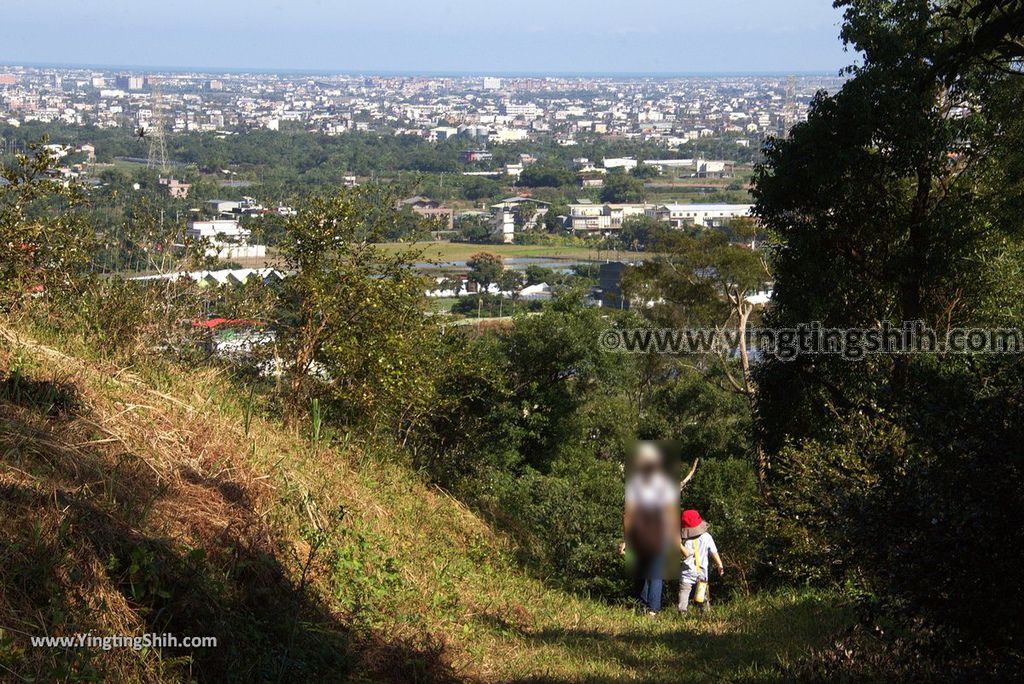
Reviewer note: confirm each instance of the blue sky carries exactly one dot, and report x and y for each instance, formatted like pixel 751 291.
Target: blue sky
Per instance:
pixel 648 36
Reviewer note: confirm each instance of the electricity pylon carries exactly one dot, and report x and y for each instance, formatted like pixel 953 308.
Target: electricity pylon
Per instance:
pixel 155 132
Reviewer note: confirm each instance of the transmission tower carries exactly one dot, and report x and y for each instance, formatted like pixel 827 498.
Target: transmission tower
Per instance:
pixel 789 108
pixel 155 129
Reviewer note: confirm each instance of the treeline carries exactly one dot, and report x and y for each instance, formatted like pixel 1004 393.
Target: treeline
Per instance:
pixel 294 160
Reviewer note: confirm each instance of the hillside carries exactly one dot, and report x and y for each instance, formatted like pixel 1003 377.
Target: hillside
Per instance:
pixel 150 499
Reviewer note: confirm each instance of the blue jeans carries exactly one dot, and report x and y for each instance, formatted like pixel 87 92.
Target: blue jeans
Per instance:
pixel 648 583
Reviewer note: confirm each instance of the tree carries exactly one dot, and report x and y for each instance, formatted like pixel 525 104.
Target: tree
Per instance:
pixel 893 203
pixel 350 320
pixel 546 175
pixel 640 231
pixel 554 368
pixel 645 171
pixel 450 284
pixel 475 188
pixel 554 217
pixel 473 229
pixel 484 269
pixel 511 281
pixel 539 274
pixel 703 280
pixel 622 188
pixel 992 35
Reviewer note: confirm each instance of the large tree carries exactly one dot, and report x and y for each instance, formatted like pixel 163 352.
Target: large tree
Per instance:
pixel 44 240
pixel 898 200
pixel 704 280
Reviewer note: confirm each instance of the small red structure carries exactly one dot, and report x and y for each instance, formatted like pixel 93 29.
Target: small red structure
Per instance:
pixel 214 323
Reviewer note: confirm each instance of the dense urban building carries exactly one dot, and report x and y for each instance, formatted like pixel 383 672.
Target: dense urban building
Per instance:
pixel 485 110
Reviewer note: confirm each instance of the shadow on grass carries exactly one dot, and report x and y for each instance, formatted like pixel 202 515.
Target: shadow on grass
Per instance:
pixel 696 648
pixel 52 398
pixel 95 539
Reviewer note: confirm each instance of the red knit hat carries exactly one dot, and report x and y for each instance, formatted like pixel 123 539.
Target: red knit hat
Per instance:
pixel 693 524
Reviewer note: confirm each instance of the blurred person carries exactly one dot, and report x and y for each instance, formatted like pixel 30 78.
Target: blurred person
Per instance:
pixel 650 519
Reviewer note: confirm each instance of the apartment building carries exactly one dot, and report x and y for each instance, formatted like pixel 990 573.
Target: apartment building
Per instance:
pixel 586 217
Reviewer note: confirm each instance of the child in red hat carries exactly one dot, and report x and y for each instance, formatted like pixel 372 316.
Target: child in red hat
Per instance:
pixel 698 547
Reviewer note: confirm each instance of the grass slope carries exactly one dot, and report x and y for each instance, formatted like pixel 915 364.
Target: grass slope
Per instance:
pixel 153 500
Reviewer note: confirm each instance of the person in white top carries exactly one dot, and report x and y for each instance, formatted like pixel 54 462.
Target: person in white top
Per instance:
pixel 698 550
pixel 650 523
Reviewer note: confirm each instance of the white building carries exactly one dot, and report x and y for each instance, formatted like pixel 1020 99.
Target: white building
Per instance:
pixel 503 224
pixel 625 163
pixel 225 239
pixel 587 217
pixel 538 292
pixel 218 206
pixel 706 215
pixel 504 135
pixel 527 110
pixel 443 132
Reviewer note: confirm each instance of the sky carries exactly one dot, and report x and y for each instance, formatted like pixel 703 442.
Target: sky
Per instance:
pixel 475 36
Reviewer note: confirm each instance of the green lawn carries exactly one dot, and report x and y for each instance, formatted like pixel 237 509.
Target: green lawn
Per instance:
pixel 460 251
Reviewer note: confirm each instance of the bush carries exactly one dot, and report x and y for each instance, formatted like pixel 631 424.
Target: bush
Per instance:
pixel 725 492
pixel 910 517
pixel 567 527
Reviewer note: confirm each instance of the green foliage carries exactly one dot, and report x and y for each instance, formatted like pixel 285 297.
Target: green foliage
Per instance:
pixel 534 422
pixel 565 525
pixel 546 175
pixel 725 492
pixel 474 229
pixel 698 410
pixel 698 278
pixel 511 280
pixel 485 269
pixel 539 274
pixel 893 473
pixel 622 188
pixel 640 233
pixel 350 320
pixel 45 245
pixel 645 171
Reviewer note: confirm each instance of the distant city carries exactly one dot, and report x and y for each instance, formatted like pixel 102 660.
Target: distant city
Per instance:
pixel 670 111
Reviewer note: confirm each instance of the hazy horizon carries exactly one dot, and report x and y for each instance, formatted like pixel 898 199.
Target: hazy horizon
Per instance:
pixel 214 70
pixel 649 37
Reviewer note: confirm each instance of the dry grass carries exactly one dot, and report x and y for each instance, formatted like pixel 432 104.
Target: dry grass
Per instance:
pixel 132 511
